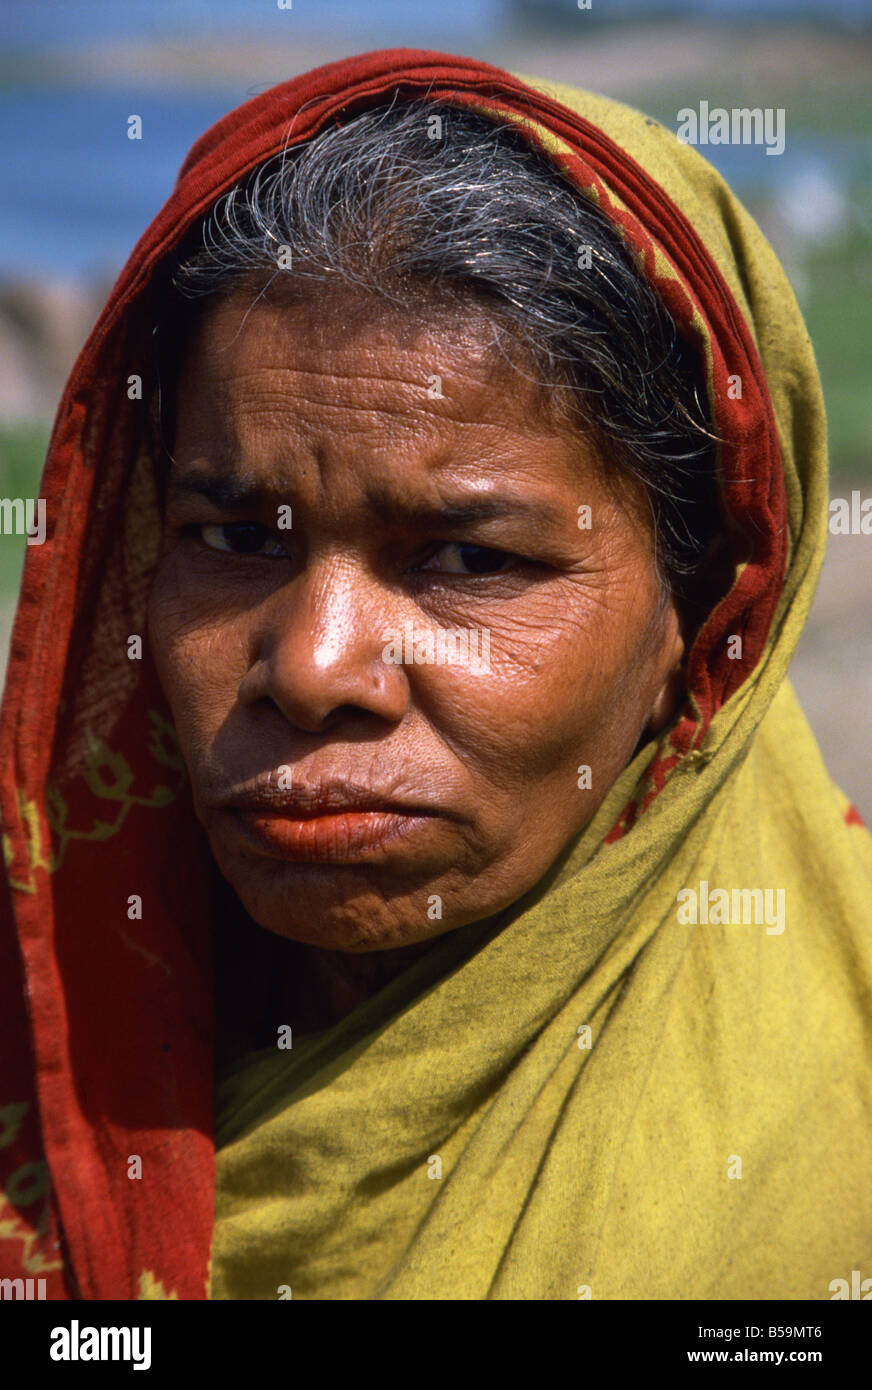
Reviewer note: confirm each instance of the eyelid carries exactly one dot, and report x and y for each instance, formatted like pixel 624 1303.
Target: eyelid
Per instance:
pixel 436 546
pixel 197 531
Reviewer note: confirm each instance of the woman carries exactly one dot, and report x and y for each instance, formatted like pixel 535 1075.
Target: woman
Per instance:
pixel 397 748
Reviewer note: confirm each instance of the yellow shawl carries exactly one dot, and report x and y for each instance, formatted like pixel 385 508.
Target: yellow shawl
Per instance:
pixel 592 1095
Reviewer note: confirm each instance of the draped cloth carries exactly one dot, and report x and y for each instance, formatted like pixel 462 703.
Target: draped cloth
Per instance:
pixel 587 1095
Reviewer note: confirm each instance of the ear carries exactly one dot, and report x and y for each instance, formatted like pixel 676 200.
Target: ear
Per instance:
pixel 671 692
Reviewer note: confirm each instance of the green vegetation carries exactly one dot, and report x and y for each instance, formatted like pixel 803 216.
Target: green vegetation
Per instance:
pixel 838 310
pixel 836 294
pixel 815 111
pixel 22 452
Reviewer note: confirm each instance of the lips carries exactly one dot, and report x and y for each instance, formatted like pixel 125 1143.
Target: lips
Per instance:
pixel 344 838
pixel 303 802
pixel 334 822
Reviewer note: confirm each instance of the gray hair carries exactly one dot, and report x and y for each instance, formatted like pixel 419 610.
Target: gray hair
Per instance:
pixel 398 205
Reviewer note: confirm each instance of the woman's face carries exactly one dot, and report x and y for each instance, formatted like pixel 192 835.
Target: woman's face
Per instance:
pixel 360 793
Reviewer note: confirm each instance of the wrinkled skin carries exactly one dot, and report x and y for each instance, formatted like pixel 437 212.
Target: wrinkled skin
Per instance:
pixel 274 658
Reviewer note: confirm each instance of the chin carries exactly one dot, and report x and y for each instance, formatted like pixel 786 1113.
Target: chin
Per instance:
pixel 338 908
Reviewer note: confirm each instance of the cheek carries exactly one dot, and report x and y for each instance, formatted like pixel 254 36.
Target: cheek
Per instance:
pixel 568 683
pixel 200 658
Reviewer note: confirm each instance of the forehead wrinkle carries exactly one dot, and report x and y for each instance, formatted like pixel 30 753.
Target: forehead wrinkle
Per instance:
pixel 470 371
pixel 417 416
pixel 469 386
pixel 417 406
pixel 451 472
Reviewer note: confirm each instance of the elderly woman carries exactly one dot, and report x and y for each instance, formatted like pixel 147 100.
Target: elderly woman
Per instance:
pixel 397 752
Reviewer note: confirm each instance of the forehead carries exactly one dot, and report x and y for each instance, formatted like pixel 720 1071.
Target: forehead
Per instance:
pixel 283 387
pixel 346 351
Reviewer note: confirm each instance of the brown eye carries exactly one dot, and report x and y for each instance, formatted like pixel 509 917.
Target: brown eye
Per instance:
pixel 240 538
pixel 457 558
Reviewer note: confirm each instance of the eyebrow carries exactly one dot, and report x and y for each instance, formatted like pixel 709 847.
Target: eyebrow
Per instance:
pixel 223 490
pixel 459 513
pixel 226 491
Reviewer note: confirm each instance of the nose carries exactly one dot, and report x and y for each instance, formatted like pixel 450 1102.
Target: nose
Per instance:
pixel 317 650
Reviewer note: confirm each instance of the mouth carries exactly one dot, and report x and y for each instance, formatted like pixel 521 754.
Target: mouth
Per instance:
pixel 335 823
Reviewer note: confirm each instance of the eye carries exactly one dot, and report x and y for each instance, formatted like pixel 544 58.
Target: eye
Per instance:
pixel 456 558
pixel 240 538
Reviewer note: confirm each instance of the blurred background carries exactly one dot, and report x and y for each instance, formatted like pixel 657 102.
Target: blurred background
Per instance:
pixel 76 193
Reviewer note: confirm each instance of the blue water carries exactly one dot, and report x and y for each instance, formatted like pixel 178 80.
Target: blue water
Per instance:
pixel 47 24
pixel 75 193
pixel 34 24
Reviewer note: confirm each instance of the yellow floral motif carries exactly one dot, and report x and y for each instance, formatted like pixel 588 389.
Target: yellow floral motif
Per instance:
pixel 11 1120
pixel 109 777
pixel 25 1186
pixel 152 1288
pixel 164 744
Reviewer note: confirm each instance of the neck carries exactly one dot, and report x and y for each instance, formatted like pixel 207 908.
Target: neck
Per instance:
pixel 263 981
pixel 331 984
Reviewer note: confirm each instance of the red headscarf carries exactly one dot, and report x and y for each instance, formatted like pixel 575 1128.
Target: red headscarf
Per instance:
pixel 105 949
